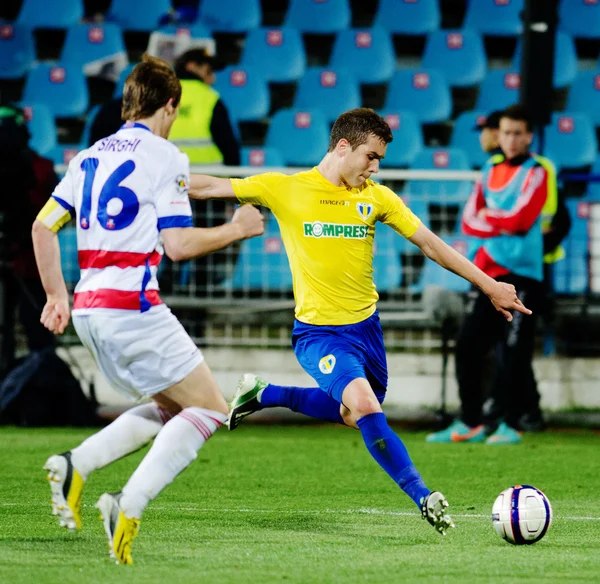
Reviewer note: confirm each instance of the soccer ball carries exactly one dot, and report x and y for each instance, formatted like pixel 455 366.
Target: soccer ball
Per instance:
pixel 521 515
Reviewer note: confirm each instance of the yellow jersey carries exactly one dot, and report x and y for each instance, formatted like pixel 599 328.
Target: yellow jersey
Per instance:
pixel 328 231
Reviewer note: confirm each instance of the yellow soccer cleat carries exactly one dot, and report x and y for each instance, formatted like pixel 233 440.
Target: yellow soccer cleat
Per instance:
pixel 120 530
pixel 66 487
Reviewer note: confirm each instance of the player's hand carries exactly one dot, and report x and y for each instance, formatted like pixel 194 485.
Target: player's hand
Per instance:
pixel 56 314
pixel 249 220
pixel 504 298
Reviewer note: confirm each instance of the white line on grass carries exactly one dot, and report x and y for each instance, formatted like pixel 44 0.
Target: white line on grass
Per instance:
pixel 363 511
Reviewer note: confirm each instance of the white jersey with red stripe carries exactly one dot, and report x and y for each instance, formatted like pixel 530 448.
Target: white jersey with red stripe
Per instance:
pixel 123 191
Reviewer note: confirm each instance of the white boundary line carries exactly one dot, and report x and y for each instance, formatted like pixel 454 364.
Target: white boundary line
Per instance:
pixel 362 511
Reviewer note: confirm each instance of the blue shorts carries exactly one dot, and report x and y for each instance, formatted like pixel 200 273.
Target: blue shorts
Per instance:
pixel 336 355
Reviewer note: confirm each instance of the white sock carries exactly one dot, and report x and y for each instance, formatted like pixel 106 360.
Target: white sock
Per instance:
pixel 129 432
pixel 175 447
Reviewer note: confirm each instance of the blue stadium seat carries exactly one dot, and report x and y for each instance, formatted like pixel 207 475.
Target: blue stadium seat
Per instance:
pixel 565 67
pixel 302 137
pixel 387 267
pixel 580 18
pixel 277 52
pixel 593 188
pixel 409 18
pixel 439 191
pixel 318 16
pixel 55 14
pixel 86 43
pixel 17 50
pixel 494 18
pixel 138 15
pixel 41 126
pixel 244 92
pixel 425 92
pixel 332 92
pixel 87 128
pixel 262 263
pixel 268 156
pixel 499 89
pixel 120 85
pixel 67 241
pixel 584 95
pixel 408 139
pixel 459 54
pixel 465 135
pixel 435 275
pixel 368 53
pixel 571 140
pixel 195 30
pixel 64 153
pixel 571 275
pixel 62 88
pixel 233 16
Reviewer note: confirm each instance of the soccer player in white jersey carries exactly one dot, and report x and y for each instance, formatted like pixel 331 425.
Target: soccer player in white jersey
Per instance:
pixel 128 191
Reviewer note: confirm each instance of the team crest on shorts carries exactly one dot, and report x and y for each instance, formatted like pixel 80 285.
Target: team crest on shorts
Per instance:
pixel 364 210
pixel 326 364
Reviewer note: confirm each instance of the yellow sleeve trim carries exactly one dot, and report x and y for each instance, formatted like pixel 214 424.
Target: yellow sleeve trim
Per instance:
pixel 53 215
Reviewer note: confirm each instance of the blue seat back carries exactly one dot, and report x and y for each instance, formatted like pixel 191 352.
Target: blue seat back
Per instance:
pixel 268 156
pixel 571 140
pixel 565 66
pixel 233 16
pixel 55 14
pixel 244 92
pixel 584 95
pixel 318 16
pixel 593 188
pixel 86 43
pixel 120 85
pixel 17 50
pixel 262 263
pixel 494 18
pixel 459 54
pixel 571 274
pixel 409 18
pixel 440 191
pixel 465 136
pixel 67 240
pixel 62 88
pixel 302 137
pixel 138 15
pixel 425 92
pixel 332 92
pixel 277 52
pixel 41 126
pixel 581 19
pixel 367 53
pixel 498 90
pixel 387 267
pixel 434 275
pixel 408 139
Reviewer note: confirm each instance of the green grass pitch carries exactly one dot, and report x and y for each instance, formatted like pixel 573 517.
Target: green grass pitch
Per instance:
pixel 304 504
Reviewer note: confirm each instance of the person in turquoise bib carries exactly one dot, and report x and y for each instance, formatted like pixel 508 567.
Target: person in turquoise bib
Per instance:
pixel 506 213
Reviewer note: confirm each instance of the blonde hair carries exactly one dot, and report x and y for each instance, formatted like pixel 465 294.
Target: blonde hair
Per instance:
pixel 150 85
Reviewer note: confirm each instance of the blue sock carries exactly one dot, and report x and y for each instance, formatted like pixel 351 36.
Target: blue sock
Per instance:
pixel 391 454
pixel 310 401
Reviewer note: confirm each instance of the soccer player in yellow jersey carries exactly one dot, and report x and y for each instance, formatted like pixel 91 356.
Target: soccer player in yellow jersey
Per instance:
pixel 327 218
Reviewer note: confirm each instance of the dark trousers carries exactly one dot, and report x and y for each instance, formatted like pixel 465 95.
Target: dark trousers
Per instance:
pixel 484 329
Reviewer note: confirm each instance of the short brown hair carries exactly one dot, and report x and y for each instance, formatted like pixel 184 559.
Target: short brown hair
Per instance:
pixel 357 125
pixel 518 113
pixel 150 85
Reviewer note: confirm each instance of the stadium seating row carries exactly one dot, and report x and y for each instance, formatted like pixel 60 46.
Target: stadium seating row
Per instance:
pixel 581 18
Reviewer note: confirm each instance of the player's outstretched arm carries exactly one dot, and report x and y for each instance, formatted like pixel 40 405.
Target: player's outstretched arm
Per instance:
pixel 192 242
pixel 203 187
pixel 502 295
pixel 56 312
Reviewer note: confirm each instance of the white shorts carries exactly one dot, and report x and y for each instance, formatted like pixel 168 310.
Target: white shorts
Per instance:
pixel 140 354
